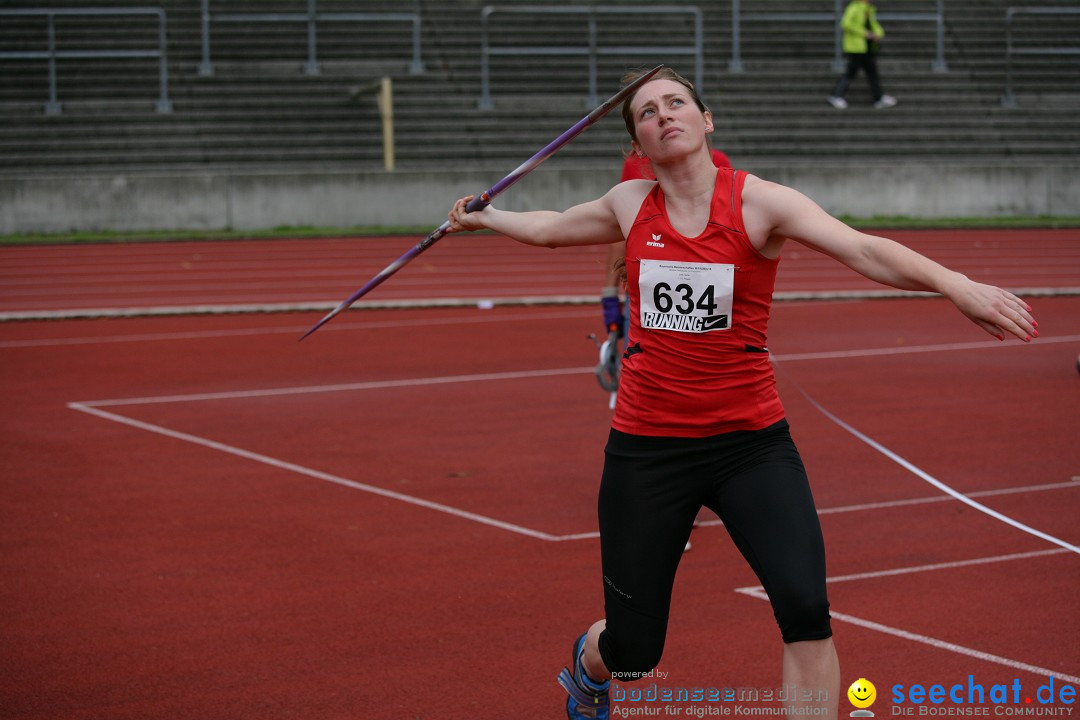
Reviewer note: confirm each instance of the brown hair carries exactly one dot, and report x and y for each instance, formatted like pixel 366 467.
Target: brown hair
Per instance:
pixel 665 73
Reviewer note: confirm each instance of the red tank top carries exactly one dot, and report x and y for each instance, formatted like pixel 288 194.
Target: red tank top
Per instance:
pixel 697 362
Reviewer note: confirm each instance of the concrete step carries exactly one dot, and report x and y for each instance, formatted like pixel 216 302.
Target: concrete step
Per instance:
pixel 259 98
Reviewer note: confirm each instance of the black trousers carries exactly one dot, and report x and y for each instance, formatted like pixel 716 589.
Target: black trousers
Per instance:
pixel 651 491
pixel 856 62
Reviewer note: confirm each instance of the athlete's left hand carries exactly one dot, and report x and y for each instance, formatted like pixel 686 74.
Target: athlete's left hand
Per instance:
pixel 995 310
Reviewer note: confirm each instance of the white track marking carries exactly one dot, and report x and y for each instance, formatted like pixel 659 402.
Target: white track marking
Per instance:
pixel 87 406
pixel 944 347
pixel 298 330
pixel 347 326
pixel 756 591
pixel 291 307
pixel 944 565
pixel 918 472
pixel 319 475
pixel 528 532
pixel 861 507
pixel 92 408
pixel 953 647
pixel 940 485
pixel 344 387
pixel 564 299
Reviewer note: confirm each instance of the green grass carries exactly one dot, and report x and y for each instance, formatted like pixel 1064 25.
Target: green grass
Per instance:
pixel 895 222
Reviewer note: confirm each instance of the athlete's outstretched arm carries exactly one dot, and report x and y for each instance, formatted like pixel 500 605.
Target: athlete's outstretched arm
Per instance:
pixel 590 223
pixel 779 213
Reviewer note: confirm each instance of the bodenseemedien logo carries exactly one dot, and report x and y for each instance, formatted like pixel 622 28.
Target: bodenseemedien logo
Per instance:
pixel 862 695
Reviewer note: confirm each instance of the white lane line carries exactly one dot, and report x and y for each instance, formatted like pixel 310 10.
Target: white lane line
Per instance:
pixel 290 307
pixel 861 507
pixel 922 474
pixel 933 642
pixel 92 409
pixel 756 591
pixel 343 387
pixel 911 467
pixel 473 319
pixel 944 565
pixel 944 347
pixel 309 472
pixel 85 406
pixel 237 307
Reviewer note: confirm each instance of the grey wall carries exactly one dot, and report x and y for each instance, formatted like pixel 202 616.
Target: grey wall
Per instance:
pixel 209 200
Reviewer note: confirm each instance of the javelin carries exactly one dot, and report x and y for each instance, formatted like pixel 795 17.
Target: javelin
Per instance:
pixel 479 203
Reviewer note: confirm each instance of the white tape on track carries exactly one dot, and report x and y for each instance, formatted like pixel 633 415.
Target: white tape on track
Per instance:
pixel 918 472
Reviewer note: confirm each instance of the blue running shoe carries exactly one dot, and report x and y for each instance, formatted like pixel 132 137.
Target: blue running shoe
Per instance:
pixel 587 700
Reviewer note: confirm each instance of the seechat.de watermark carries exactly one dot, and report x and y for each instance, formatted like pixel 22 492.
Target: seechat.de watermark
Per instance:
pixel 972 698
pixel 967 698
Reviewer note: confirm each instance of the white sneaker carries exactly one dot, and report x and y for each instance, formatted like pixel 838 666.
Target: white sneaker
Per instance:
pixel 840 103
pixel 886 101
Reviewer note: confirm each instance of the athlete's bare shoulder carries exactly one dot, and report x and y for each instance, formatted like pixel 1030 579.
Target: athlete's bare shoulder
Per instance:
pixel 753 185
pixel 625 200
pixel 773 201
pixel 635 187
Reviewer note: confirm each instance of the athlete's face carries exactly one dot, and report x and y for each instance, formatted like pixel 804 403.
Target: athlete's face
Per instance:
pixel 667 121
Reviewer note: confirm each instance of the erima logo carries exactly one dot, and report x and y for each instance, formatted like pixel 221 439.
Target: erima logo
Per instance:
pixel 655 242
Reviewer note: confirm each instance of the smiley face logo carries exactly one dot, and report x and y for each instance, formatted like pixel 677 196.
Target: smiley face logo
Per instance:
pixel 862 693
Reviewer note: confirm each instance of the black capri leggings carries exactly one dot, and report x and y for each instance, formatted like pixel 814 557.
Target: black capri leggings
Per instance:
pixel 651 491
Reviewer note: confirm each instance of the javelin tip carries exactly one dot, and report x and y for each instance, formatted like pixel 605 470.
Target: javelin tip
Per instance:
pixel 329 316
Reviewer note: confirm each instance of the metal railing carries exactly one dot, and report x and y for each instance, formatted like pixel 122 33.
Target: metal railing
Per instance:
pixel 592 50
pixel 53 106
pixel 312 18
pixel 1008 99
pixel 735 65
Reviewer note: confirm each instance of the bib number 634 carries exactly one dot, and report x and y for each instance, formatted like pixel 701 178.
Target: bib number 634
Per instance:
pixel 664 299
pixel 685 297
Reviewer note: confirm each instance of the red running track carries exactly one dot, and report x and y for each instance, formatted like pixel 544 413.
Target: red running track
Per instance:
pixel 322 272
pixel 202 517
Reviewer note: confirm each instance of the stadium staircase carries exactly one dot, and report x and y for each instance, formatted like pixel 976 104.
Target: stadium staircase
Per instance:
pixel 259 108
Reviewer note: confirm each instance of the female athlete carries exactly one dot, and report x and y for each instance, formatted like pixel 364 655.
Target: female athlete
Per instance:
pixel 698 421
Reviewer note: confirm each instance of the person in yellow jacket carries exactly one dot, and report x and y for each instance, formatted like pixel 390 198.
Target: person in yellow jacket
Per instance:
pixel 862 31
